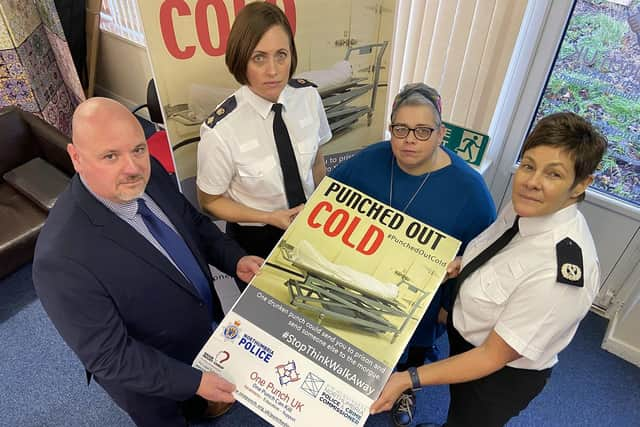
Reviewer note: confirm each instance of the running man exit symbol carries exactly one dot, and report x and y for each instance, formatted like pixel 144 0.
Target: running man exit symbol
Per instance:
pixel 466 143
pixel 470 146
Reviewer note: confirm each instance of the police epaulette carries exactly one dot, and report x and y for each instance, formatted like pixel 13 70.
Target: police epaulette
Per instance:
pixel 297 83
pixel 569 259
pixel 221 112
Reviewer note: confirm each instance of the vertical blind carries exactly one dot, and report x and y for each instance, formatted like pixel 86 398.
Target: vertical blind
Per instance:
pixel 461 48
pixel 121 17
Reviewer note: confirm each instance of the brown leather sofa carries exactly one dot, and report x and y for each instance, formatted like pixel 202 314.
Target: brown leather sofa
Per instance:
pixel 24 137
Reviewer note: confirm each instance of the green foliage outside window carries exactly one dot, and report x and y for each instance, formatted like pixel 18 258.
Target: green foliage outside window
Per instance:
pixel 597 75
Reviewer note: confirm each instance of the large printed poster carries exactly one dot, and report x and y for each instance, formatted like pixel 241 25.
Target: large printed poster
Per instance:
pixel 320 328
pixel 343 46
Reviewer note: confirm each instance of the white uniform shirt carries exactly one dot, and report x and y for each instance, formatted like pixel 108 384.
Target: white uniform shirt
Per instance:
pixel 516 292
pixel 238 156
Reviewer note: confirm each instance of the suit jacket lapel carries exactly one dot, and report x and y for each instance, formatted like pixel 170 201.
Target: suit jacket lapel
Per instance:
pixel 121 233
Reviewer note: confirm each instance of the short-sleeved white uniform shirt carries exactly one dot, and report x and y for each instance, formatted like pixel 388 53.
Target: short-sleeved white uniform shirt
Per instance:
pixel 238 158
pixel 517 292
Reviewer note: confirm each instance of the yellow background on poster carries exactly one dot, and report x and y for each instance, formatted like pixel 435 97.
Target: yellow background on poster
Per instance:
pixel 369 242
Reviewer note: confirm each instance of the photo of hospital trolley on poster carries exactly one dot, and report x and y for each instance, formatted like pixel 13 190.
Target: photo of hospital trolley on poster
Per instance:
pixel 320 328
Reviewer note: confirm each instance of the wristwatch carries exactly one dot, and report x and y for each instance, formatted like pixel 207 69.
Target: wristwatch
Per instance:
pixel 415 379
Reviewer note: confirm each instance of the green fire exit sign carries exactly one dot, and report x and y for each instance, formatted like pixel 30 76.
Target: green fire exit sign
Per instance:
pixel 468 144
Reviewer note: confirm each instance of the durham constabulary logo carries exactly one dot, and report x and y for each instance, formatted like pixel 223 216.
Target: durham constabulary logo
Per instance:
pixel 231 331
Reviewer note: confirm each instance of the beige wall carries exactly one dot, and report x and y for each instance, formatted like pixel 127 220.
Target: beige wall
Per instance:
pixel 123 70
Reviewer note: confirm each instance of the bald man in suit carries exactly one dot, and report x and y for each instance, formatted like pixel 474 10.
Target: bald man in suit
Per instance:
pixel 130 308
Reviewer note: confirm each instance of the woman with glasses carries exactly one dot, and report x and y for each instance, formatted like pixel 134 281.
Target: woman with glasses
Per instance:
pixel 526 283
pixel 415 174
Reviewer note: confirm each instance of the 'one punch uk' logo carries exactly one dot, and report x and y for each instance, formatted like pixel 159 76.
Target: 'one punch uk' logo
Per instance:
pixel 287 373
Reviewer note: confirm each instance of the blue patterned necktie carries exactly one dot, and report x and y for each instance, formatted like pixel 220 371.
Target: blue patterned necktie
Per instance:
pixel 179 252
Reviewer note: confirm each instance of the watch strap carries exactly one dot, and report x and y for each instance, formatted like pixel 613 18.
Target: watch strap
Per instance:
pixel 415 379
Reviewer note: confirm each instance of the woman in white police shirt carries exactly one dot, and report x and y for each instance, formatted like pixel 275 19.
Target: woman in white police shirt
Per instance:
pixel 240 170
pixel 521 299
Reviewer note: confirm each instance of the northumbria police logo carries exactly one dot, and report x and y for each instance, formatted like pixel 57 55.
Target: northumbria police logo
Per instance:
pixel 255 347
pixel 232 330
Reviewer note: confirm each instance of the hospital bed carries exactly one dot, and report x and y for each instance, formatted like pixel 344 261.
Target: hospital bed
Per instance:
pixel 349 297
pixel 339 87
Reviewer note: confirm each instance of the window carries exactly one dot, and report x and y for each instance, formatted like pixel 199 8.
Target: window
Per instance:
pixel 597 74
pixel 121 17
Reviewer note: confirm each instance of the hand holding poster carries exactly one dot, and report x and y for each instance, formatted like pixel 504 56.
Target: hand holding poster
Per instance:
pixel 331 311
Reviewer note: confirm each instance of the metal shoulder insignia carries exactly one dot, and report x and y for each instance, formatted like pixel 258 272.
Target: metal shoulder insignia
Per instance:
pixel 298 83
pixel 221 111
pixel 569 259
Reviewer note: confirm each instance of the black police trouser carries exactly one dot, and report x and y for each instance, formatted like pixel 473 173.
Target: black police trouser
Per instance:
pixel 258 240
pixel 255 240
pixel 492 400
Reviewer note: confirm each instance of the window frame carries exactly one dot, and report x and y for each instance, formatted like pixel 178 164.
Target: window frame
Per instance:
pixel 543 28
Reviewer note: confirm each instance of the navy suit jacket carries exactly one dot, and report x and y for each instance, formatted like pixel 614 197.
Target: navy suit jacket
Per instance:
pixel 123 308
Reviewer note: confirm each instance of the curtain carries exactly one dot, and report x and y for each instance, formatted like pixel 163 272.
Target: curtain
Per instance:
pixel 71 12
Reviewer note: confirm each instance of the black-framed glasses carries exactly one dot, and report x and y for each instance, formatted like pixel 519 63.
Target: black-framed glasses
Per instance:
pixel 422 133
